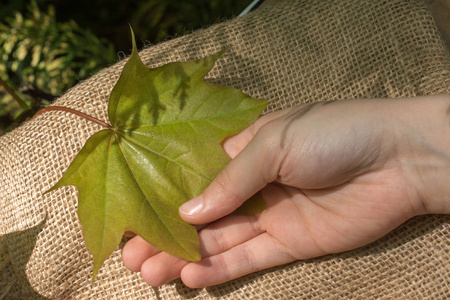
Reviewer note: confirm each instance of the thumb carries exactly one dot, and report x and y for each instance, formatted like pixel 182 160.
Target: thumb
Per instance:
pixel 247 173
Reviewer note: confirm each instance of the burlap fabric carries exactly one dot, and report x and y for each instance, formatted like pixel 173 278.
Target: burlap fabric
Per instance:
pixel 292 51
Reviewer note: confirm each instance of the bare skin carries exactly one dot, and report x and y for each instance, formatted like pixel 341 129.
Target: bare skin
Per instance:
pixel 335 177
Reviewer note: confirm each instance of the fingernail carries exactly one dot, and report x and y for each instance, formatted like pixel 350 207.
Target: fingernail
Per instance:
pixel 192 207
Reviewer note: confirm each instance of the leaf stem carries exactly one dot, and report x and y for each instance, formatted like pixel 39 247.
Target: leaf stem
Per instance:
pixel 75 112
pixel 13 94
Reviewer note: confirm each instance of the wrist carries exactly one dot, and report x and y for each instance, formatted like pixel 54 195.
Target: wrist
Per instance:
pixel 423 150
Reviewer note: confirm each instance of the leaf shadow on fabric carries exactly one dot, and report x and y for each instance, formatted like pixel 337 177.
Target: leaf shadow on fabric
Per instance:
pixel 17 248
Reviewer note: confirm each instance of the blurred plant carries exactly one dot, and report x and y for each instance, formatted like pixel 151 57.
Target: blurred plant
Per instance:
pixel 41 58
pixel 42 55
pixel 157 19
pixel 152 20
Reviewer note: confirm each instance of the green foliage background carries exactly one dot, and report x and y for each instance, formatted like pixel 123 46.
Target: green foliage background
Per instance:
pixel 48 46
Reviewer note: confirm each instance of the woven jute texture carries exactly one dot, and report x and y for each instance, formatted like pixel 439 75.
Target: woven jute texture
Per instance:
pixel 293 52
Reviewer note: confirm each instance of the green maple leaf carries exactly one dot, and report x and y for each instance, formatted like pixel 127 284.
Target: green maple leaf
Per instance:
pixel 161 148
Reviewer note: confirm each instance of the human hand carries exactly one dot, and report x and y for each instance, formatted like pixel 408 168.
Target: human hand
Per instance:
pixel 335 176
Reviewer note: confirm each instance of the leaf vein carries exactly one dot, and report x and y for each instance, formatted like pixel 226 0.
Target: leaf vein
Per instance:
pixel 165 157
pixel 148 200
pixel 209 119
pixel 103 234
